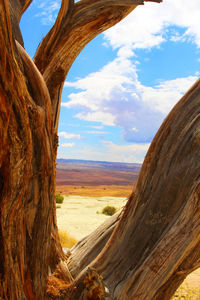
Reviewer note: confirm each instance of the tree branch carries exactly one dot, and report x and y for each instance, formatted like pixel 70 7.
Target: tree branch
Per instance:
pixel 9 67
pixel 45 51
pixel 121 2
pixel 76 25
pixel 48 44
pixel 86 11
pixel 17 8
pixel 165 210
pixel 156 242
pixel 88 248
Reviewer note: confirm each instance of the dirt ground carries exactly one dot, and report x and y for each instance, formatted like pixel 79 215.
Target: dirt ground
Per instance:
pixel 95 191
pixel 80 214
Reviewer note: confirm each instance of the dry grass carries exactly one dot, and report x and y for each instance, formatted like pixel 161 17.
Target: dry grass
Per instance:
pixel 95 191
pixel 56 288
pixel 66 240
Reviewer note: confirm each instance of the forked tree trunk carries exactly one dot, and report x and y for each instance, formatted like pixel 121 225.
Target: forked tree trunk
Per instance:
pixel 143 252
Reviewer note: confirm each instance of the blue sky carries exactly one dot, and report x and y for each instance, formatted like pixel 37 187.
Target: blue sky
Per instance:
pixel 124 82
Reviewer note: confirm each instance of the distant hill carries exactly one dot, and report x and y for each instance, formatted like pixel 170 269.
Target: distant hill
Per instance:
pixel 86 172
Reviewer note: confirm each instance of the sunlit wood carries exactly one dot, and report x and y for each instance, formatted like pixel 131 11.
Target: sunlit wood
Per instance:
pixel 143 252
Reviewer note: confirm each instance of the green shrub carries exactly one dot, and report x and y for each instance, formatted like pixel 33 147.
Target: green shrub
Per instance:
pixel 109 210
pixel 59 198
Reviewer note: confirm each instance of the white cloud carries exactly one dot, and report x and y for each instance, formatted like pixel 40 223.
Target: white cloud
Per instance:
pixel 126 52
pixel 164 96
pixel 67 145
pixel 146 26
pixel 126 153
pixel 114 96
pixel 67 135
pixel 97 116
pixel 96 132
pixel 134 129
pixel 97 127
pixel 141 29
pixel 97 88
pixel 110 152
pixel 48 10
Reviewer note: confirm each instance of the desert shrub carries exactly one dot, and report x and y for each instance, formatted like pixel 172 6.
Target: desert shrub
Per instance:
pixel 59 198
pixel 109 210
pixel 66 240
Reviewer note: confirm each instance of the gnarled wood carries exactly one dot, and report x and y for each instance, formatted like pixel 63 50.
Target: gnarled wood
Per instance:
pixel 30 247
pixel 17 8
pixel 87 249
pixel 145 251
pixel 158 237
pixel 27 174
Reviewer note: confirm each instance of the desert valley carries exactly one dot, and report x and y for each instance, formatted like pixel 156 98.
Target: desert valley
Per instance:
pixel 93 178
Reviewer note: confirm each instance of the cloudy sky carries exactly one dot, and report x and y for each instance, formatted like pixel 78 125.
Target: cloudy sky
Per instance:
pixel 125 82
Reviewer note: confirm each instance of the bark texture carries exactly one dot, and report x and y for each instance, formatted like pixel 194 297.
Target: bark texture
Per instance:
pixel 156 242
pixel 143 252
pixel 27 171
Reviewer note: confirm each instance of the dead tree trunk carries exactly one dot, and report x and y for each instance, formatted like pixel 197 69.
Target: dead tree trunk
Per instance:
pixel 145 251
pixel 156 241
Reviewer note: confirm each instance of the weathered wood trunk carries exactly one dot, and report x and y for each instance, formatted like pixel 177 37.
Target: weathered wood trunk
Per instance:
pixel 156 241
pixel 146 250
pixel 27 173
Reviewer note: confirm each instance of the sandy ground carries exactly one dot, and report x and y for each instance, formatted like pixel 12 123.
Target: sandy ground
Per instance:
pixel 193 280
pixel 78 216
